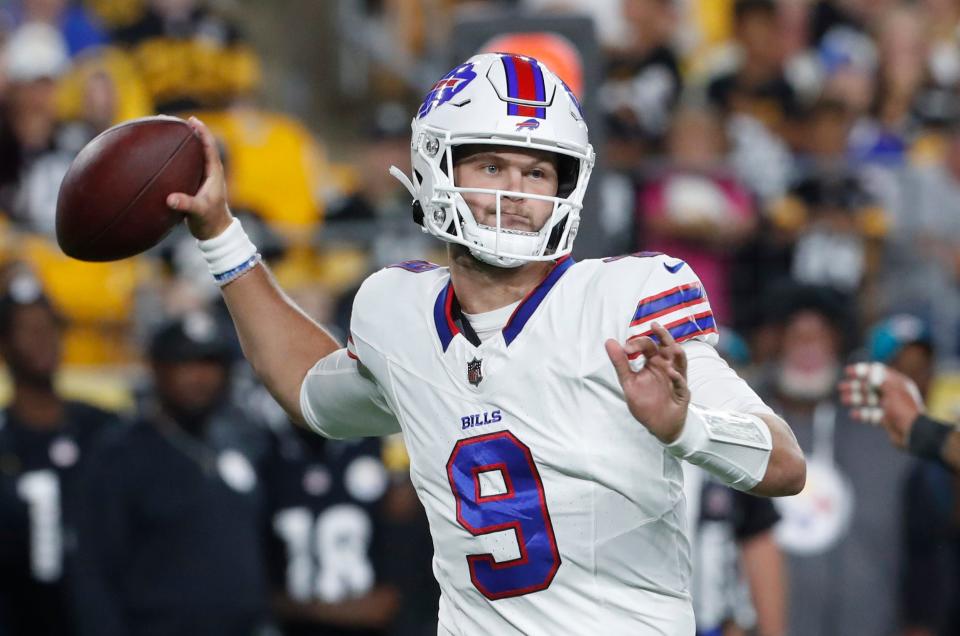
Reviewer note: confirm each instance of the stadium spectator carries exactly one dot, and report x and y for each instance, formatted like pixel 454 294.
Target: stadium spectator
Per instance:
pixel 332 558
pixel 375 215
pixel 45 444
pixel 739 578
pixel 170 537
pixel 829 218
pixel 841 532
pixel 926 598
pixel 694 209
pixel 190 56
pixel 756 99
pixel 894 397
pixel 901 74
pixel 922 269
pixel 642 82
pixel 35 155
pixel 79 28
pixel 757 86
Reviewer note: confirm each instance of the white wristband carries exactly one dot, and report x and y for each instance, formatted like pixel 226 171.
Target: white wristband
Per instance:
pixel 735 447
pixel 231 249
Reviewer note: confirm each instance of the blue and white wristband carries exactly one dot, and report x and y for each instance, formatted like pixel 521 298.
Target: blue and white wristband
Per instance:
pixel 236 272
pixel 229 255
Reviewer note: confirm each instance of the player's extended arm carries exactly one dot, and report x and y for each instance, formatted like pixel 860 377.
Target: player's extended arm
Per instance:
pixel 765 460
pixel 280 341
pixel 878 394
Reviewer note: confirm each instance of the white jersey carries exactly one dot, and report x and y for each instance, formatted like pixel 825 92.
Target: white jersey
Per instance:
pixel 552 510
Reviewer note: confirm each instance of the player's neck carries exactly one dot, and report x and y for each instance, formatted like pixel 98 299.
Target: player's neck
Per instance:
pixel 481 287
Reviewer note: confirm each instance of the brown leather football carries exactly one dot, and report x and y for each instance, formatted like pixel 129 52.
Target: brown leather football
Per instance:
pixel 112 201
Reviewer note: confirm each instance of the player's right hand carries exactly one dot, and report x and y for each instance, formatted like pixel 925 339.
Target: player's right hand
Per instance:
pixel 207 212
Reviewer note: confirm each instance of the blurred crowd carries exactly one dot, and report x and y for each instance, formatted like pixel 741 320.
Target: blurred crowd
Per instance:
pixel 803 156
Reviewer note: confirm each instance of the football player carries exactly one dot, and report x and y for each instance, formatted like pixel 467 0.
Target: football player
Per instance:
pixel 326 540
pixel 45 445
pixel 168 535
pixel 545 403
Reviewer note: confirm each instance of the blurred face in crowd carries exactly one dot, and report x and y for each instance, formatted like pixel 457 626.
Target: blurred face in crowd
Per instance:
pixel 827 132
pixel 32 111
pixel 652 21
pixel 794 25
pixel 809 357
pixel 903 50
pixel 759 35
pixel 190 391
pixel 99 101
pixel 508 168
pixel 696 139
pixel 33 344
pixel 855 87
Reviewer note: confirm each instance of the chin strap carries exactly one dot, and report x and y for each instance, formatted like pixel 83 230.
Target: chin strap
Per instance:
pixel 405 180
pixel 416 208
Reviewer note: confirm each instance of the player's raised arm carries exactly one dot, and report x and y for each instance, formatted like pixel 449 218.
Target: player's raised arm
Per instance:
pixel 279 340
pixel 754 452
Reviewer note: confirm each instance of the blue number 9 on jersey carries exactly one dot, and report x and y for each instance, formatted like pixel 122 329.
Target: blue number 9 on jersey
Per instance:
pixel 520 506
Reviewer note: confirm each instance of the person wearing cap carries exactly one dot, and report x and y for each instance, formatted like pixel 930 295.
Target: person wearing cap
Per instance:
pixel 169 542
pixel 891 393
pixel 45 445
pixel 839 532
pixel 36 153
pixel 892 390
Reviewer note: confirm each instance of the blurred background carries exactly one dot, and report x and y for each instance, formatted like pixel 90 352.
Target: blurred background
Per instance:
pixel 803 156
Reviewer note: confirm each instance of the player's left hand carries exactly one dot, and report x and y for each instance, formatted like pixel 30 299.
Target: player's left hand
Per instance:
pixel 657 395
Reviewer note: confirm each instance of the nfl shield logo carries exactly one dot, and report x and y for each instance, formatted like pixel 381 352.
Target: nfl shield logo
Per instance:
pixel 474 372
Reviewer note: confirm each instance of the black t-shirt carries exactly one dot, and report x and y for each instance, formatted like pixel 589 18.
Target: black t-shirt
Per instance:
pixel 326 536
pixel 170 535
pixel 746 514
pixel 641 92
pixel 39 474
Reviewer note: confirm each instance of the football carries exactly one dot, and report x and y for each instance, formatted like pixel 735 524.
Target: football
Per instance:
pixel 112 201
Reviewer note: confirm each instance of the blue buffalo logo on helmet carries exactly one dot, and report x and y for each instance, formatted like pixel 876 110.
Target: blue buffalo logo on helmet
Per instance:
pixel 447 87
pixel 529 124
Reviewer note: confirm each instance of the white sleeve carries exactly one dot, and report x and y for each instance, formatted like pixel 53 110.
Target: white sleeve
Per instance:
pixel 339 401
pixel 713 384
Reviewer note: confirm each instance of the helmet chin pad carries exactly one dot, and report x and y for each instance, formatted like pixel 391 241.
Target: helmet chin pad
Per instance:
pixel 506 241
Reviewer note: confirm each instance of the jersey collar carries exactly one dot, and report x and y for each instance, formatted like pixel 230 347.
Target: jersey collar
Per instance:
pixel 447 315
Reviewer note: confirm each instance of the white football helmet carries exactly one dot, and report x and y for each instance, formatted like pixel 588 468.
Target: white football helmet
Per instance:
pixel 498 99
